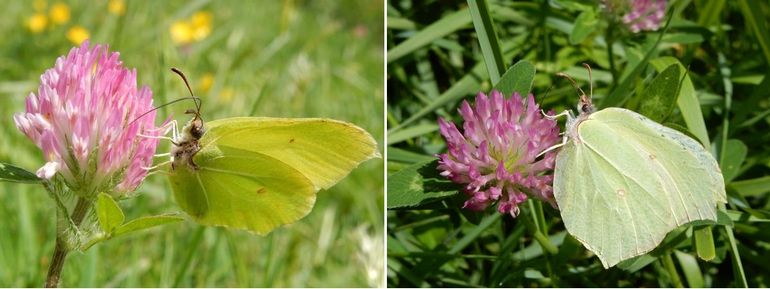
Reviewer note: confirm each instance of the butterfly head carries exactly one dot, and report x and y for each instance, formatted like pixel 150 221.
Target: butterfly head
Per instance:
pixel 195 127
pixel 585 106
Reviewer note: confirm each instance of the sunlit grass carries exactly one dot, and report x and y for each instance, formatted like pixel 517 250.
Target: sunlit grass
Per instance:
pixel 265 58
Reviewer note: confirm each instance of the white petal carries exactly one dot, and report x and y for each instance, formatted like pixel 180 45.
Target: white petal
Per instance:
pixel 48 170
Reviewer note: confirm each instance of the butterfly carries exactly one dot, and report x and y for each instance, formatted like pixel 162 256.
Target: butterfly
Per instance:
pixel 623 181
pixel 259 173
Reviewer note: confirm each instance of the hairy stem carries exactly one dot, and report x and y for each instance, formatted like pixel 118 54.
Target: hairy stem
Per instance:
pixel 61 249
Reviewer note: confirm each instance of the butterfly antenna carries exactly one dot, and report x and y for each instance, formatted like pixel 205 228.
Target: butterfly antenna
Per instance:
pixel 192 95
pixel 161 106
pixel 574 84
pixel 590 80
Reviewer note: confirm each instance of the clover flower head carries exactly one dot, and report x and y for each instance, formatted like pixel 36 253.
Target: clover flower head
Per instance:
pixel 85 117
pixel 645 15
pixel 496 155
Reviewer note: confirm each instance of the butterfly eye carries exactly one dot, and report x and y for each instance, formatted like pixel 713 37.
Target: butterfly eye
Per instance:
pixel 196 132
pixel 585 108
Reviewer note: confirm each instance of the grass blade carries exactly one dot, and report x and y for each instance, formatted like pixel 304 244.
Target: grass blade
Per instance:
pixel 192 249
pixel 411 132
pixel 735 257
pixel 485 30
pixel 692 272
pixel 470 83
pixel 752 13
pixel 438 29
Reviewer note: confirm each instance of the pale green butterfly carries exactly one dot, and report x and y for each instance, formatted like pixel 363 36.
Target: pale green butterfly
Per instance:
pixel 259 173
pixel 623 181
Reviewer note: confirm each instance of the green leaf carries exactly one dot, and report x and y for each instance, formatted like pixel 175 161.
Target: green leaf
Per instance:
pixel 753 187
pixel 704 243
pixel 658 99
pixel 688 102
pixel 418 184
pixel 683 38
pixel 636 263
pixel 11 173
pixel 147 222
pixel 436 30
pixel 672 240
pixel 400 23
pixel 571 5
pixel 518 78
pixel 109 213
pixel 584 26
pixel 734 154
pixel 739 216
pixel 485 30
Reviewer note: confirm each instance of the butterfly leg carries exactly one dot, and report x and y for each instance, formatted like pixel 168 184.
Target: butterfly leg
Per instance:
pixel 156 166
pixel 174 130
pixel 552 117
pixel 157 137
pixel 172 126
pixel 553 147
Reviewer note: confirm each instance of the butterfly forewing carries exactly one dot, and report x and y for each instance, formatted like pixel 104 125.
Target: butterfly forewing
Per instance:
pixel 323 150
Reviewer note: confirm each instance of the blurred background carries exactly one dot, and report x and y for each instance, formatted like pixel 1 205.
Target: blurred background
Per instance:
pixel 243 58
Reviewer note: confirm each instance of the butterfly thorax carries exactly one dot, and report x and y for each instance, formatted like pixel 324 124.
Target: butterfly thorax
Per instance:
pixel 187 145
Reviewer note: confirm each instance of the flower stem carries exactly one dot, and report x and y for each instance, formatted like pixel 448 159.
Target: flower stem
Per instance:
pixel 61 249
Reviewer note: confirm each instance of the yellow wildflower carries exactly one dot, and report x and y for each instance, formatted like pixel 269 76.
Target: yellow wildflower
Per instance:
pixel 201 24
pixel 37 22
pixel 181 32
pixel 196 28
pixel 77 34
pixel 206 82
pixel 60 13
pixel 117 7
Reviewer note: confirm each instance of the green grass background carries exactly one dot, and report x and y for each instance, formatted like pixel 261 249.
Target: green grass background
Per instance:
pixel 268 58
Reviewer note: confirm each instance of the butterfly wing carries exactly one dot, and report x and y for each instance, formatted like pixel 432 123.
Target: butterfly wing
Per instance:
pixel 261 173
pixel 323 150
pixel 628 181
pixel 242 189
